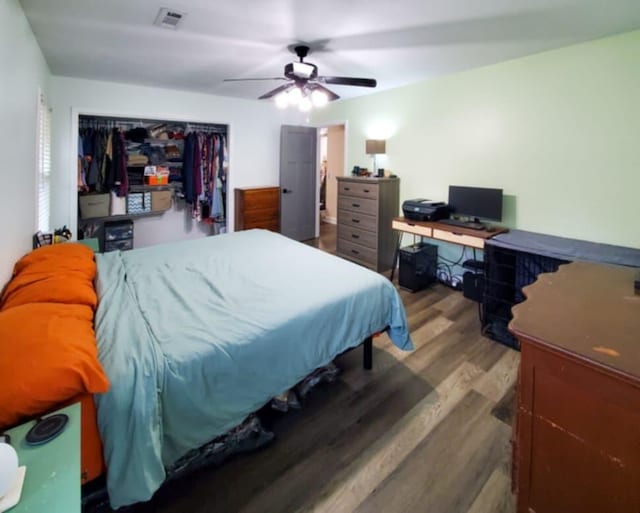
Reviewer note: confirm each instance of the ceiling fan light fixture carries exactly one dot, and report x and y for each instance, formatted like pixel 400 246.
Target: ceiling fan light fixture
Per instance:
pixel 282 100
pixel 319 98
pixel 303 70
pixel 305 104
pixel 294 96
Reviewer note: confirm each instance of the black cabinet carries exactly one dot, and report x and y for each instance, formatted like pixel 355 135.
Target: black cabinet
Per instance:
pixel 118 235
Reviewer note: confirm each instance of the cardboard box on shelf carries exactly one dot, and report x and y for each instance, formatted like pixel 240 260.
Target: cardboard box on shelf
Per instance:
pixel 161 200
pixel 94 205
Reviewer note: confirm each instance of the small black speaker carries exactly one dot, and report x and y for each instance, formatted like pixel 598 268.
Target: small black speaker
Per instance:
pixel 473 286
pixel 418 264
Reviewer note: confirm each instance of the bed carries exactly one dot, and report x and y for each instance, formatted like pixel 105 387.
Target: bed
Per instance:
pixel 195 336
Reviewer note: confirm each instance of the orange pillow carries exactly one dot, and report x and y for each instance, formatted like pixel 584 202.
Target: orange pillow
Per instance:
pixel 62 273
pixel 58 257
pixel 48 355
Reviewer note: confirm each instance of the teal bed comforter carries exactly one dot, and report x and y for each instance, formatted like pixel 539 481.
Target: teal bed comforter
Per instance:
pixel 196 335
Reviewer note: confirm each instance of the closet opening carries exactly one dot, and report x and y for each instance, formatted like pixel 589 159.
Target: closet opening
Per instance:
pixel 142 182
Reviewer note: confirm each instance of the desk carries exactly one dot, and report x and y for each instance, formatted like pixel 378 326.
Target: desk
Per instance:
pixel 576 436
pixel 52 481
pixel 443 232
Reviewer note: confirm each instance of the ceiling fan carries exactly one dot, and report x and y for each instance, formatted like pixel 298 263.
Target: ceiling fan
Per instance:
pixel 304 86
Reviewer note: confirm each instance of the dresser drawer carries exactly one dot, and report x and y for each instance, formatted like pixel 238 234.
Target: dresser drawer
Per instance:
pixel 357 252
pixel 258 199
pixel 263 214
pixel 361 190
pixel 273 225
pixel 358 220
pixel 355 204
pixel 362 237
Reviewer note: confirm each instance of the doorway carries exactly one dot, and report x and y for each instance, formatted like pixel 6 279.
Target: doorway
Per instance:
pixel 332 165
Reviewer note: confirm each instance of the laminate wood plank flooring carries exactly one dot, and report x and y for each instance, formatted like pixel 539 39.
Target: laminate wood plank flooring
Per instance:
pixel 423 431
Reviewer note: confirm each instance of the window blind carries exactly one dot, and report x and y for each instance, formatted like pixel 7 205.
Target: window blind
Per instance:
pixel 43 214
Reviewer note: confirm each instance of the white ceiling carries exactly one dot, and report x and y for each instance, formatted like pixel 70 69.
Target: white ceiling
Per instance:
pixel 395 41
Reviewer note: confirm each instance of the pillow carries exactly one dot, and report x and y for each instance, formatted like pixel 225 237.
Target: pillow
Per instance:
pixel 62 273
pixel 49 355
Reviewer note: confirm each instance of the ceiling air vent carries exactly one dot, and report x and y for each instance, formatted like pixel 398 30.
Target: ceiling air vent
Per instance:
pixel 169 18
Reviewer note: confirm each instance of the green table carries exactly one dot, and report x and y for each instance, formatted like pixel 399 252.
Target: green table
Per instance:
pixel 52 480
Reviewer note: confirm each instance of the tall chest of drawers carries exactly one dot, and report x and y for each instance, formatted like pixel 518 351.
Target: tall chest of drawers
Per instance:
pixel 366 208
pixel 257 207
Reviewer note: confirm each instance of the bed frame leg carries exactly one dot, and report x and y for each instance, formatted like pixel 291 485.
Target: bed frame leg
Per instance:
pixel 367 360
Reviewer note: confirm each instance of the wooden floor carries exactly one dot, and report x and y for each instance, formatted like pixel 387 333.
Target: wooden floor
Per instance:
pixel 424 431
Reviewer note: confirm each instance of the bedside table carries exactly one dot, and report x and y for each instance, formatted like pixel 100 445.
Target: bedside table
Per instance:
pixel 52 480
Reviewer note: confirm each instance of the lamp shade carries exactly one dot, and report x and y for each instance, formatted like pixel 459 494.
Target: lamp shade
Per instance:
pixel 375 146
pixel 8 467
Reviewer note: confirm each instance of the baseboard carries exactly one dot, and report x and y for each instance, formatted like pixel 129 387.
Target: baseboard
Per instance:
pixel 330 220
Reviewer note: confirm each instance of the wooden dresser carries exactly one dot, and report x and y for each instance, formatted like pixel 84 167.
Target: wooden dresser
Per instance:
pixel 577 435
pixel 257 207
pixel 366 208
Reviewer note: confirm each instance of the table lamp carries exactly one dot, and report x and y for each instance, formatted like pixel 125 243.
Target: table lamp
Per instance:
pixel 8 467
pixel 11 477
pixel 375 147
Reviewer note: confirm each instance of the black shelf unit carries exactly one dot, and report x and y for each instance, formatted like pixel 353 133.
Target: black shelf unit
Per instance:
pixel 507 271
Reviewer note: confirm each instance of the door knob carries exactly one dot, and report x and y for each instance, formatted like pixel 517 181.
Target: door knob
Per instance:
pixel 286 191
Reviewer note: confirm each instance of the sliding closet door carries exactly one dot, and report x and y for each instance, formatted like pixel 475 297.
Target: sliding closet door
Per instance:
pixel 298 182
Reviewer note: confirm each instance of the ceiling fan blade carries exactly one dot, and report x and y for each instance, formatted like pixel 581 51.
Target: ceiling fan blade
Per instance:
pixel 246 79
pixel 277 90
pixel 317 87
pixel 350 81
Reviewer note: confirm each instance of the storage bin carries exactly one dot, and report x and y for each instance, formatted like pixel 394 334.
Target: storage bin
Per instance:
pixel 161 200
pixel 139 202
pixel 157 179
pixel 118 205
pixel 118 230
pixel 115 245
pixel 94 205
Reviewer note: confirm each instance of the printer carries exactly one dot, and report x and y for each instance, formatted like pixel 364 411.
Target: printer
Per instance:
pixel 425 210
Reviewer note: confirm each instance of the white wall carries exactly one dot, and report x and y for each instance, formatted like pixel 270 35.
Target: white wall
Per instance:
pixel 254 140
pixel 23 71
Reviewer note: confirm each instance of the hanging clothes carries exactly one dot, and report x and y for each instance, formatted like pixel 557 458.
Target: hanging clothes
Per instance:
pixel 188 171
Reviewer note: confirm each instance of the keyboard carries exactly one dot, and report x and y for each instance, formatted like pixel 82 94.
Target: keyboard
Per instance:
pixel 464 224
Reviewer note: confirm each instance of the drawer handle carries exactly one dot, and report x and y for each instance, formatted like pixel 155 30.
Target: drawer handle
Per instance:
pixel 355 221
pixel 366 190
pixel 355 251
pixel 355 236
pixel 347 189
pixel 357 205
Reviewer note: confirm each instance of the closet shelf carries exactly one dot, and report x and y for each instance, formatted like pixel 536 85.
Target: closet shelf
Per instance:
pixel 151 140
pixel 123 217
pixel 168 163
pixel 147 188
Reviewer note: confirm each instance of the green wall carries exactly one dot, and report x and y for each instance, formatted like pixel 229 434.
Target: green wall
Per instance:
pixel 558 131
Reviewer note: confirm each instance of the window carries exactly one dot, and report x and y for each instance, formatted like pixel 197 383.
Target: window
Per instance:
pixel 43 177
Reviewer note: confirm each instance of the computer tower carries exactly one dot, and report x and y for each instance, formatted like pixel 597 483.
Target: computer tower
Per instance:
pixel 418 265
pixel 473 286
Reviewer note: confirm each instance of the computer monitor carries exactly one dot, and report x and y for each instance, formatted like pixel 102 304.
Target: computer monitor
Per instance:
pixel 476 202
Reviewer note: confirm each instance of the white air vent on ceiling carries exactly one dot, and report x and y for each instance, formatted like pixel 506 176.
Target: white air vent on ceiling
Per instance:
pixel 168 18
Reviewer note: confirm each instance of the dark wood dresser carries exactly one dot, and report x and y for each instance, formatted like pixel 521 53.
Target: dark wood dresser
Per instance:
pixel 577 434
pixel 257 207
pixel 366 208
